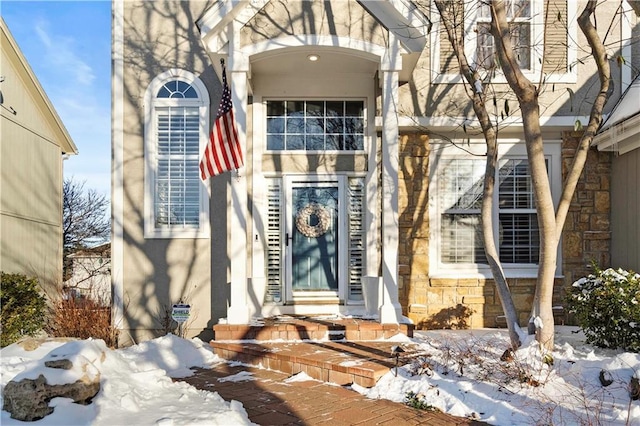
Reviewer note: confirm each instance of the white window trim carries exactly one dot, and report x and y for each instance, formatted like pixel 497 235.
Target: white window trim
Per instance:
pixel 569 76
pixel 150 143
pixel 507 149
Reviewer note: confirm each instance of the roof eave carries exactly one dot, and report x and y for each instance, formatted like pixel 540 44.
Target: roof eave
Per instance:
pixel 621 137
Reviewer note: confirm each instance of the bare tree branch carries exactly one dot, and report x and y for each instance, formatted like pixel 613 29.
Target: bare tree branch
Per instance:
pixel 595 116
pixel 84 218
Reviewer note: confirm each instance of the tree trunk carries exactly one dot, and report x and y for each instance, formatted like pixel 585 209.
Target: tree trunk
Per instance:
pixel 490 249
pixel 477 96
pixel 527 95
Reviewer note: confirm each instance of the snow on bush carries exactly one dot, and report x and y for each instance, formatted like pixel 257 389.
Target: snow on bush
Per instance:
pixel 606 306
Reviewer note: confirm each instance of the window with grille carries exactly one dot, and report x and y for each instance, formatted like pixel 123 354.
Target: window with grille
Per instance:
pixel 543 37
pixel 176 201
pixel 299 125
pixel 519 236
pixel 519 18
pixel 460 190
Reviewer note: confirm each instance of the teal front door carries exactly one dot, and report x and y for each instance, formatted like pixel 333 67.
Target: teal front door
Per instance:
pixel 314 232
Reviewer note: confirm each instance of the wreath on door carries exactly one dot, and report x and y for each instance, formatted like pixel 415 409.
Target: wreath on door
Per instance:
pixel 303 219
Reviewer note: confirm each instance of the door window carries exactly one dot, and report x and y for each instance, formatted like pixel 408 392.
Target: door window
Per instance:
pixel 314 239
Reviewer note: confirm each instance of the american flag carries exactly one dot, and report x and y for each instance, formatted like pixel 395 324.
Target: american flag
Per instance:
pixel 223 151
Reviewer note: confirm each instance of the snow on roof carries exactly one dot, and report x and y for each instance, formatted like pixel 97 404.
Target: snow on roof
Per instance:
pixel 627 106
pixel 620 131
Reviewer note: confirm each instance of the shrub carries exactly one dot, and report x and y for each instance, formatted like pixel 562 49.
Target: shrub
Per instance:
pixel 81 318
pixel 414 400
pixel 22 307
pixel 607 307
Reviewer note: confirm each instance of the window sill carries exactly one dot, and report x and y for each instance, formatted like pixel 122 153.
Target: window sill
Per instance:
pixel 568 77
pixel 176 234
pixel 522 273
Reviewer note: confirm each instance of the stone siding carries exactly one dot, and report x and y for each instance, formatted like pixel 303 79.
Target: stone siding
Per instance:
pixel 586 236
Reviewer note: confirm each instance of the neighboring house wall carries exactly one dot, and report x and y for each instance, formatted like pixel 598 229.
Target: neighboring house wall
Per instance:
pixel 625 210
pixel 620 135
pixel 32 143
pixel 90 271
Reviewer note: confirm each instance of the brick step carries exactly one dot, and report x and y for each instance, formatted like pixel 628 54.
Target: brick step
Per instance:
pixel 339 362
pixel 311 328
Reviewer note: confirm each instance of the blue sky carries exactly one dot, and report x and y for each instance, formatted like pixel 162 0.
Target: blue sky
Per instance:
pixel 68 46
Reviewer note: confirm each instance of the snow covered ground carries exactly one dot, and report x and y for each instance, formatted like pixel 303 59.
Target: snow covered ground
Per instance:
pixel 136 386
pixel 459 372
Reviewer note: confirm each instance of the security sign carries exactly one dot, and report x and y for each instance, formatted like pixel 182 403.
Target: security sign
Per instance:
pixel 180 313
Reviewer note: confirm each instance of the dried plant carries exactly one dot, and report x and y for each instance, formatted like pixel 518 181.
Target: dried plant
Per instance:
pixel 81 317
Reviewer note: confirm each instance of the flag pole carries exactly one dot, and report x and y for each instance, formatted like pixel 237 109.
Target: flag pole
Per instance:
pixel 238 311
pixel 237 169
pixel 223 152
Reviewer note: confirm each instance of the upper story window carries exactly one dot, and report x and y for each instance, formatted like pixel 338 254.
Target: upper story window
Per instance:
pixel 520 22
pixel 536 52
pixel 176 201
pixel 299 125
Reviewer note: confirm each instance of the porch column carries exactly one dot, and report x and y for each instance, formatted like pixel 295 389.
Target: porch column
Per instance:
pixel 390 310
pixel 238 311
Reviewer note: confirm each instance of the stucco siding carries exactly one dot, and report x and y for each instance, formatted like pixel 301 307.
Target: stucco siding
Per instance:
pixel 160 272
pixel 327 18
pixel 625 207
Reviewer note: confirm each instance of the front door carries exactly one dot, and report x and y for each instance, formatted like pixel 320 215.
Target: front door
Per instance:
pixel 314 229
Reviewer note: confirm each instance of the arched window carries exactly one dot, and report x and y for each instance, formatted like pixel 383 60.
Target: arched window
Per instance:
pixel 176 126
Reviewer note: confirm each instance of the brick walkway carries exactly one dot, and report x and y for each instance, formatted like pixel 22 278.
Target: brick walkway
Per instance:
pixel 270 400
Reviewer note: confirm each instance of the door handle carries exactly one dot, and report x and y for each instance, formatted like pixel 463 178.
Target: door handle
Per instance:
pixel 287 238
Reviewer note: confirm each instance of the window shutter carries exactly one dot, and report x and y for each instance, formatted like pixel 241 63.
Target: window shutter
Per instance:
pixel 448 61
pixel 356 237
pixel 274 242
pixel 555 54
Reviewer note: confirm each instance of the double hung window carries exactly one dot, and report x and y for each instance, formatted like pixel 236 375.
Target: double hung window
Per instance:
pixel 458 185
pixel 539 45
pixel 520 22
pixel 461 187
